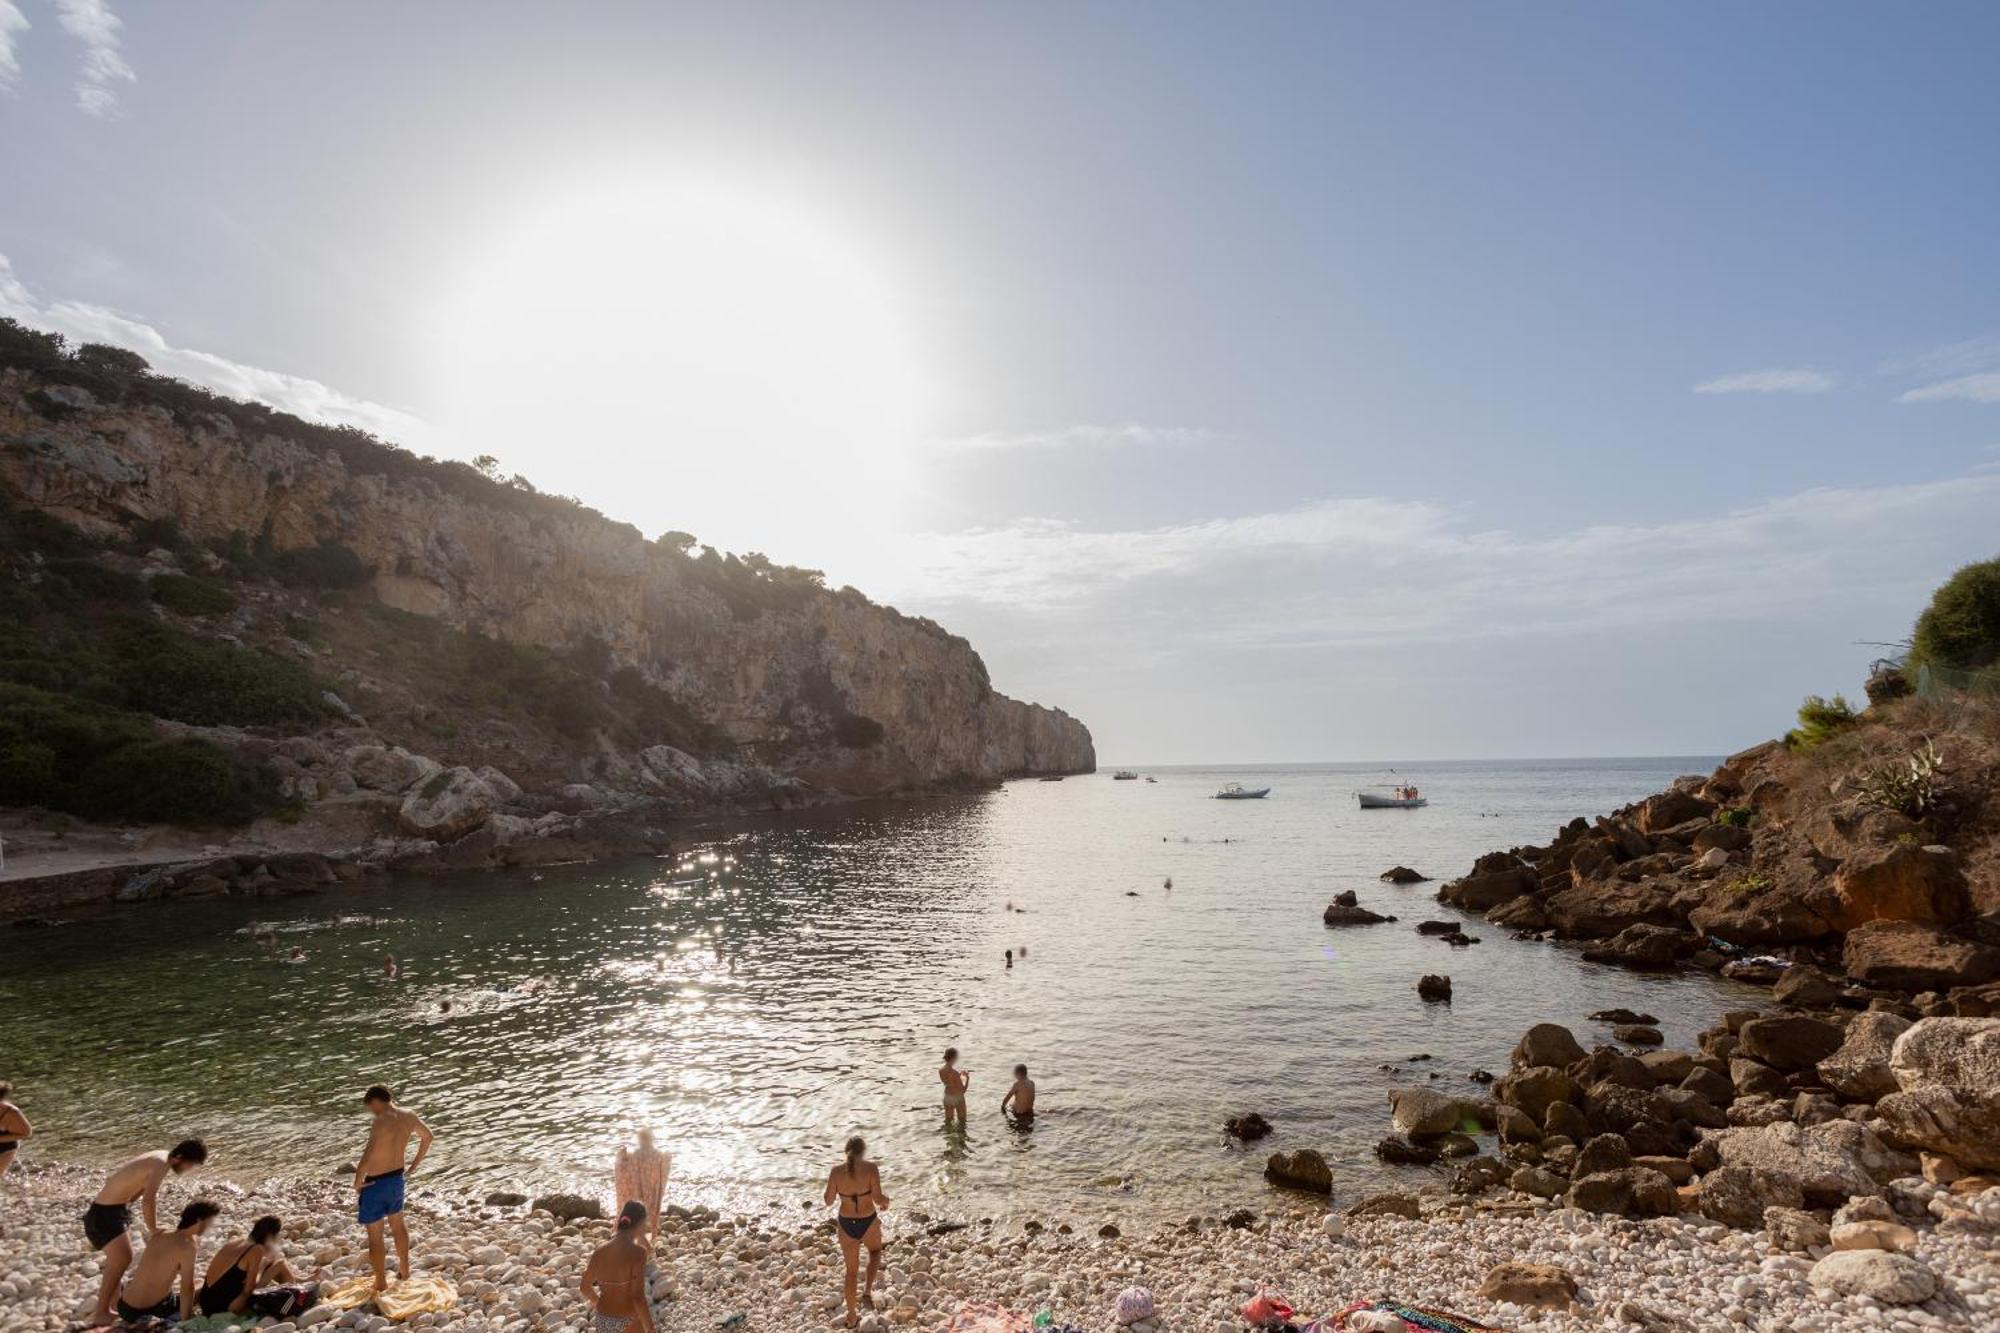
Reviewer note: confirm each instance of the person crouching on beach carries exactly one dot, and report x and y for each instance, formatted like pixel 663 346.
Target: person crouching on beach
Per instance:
pixel 858 1185
pixel 107 1221
pixel 614 1280
pixel 167 1262
pixel 14 1126
pixel 230 1285
pixel 379 1179
pixel 956 1081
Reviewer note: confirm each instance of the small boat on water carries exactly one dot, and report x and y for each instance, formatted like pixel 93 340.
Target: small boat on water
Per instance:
pixel 1053 777
pixel 1236 791
pixel 1151 778
pixel 1124 775
pixel 1391 798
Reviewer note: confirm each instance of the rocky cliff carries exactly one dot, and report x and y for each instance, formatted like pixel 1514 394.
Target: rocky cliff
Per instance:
pixel 826 686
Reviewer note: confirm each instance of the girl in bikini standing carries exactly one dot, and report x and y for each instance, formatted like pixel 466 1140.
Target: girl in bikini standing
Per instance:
pixel 614 1281
pixel 858 1185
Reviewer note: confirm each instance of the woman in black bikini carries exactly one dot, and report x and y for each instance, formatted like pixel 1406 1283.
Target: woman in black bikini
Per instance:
pixel 230 1285
pixel 858 1185
pixel 13 1126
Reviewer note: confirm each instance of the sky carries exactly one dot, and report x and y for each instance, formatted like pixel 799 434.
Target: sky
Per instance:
pixel 1287 382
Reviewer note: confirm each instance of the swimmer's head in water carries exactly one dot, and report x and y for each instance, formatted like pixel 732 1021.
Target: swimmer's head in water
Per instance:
pixel 951 1055
pixel 377 1098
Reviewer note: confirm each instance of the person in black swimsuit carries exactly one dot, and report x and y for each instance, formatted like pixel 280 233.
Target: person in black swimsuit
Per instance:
pixel 13 1126
pixel 230 1285
pixel 858 1185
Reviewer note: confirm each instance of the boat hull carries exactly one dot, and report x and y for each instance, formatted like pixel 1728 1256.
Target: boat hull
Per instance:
pixel 1243 795
pixel 1369 801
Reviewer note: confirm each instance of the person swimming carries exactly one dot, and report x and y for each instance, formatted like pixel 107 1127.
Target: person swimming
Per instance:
pixel 955 1081
pixel 857 1183
pixel 1019 1103
pixel 389 966
pixel 1010 958
pixel 614 1277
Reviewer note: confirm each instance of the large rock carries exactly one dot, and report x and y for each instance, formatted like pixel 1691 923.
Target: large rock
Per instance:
pixel 451 804
pixel 1659 813
pixel 390 769
pixel 1547 1044
pixel 1891 1279
pixel 1404 875
pixel 1532 1286
pixel 1830 1161
pixel 1520 913
pixel 1535 1089
pixel 1422 1111
pixel 1635 1191
pixel 1860 1068
pixel 1737 1196
pixel 1806 987
pixel 1386 1205
pixel 1302 1170
pixel 1348 914
pixel 1495 878
pixel 1789 1042
pixel 1594 909
pixel 569 1207
pixel 1644 946
pixel 1906 955
pixel 1901 882
pixel 1948 1073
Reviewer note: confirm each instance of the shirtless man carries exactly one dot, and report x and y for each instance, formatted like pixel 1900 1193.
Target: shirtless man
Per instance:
pixel 1020 1099
pixel 956 1081
pixel 110 1213
pixel 614 1280
pixel 378 1180
pixel 14 1126
pixel 168 1261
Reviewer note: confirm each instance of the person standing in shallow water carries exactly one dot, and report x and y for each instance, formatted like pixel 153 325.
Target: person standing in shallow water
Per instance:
pixel 640 1176
pixel 857 1184
pixel 379 1179
pixel 956 1081
pixel 1019 1103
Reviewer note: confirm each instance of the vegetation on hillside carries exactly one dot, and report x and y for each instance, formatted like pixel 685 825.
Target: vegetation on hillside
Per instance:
pixel 1960 629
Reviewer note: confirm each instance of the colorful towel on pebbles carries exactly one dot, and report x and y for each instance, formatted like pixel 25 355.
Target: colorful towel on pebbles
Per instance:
pixel 1417 1318
pixel 403 1300
pixel 979 1317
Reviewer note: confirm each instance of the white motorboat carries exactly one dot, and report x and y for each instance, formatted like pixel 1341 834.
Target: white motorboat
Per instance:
pixel 1391 798
pixel 1124 775
pixel 1236 791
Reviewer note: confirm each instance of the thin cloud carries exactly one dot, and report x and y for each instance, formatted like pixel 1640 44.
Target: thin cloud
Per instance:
pixel 83 322
pixel 93 24
pixel 12 24
pixel 1131 435
pixel 1769 381
pixel 1981 388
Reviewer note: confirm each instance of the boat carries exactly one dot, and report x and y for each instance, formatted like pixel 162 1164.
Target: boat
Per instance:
pixel 1124 775
pixel 1053 777
pixel 1151 778
pixel 1391 798
pixel 1236 791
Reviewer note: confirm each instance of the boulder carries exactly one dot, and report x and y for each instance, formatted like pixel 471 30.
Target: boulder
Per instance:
pixel 1677 1169
pixel 569 1207
pixel 1547 1044
pixel 1789 1042
pixel 1794 1228
pixel 1890 1279
pixel 1692 1108
pixel 1623 1016
pixel 1657 814
pixel 505 790
pixel 1754 1078
pixel 1386 1205
pixel 1902 881
pixel 1755 917
pixel 1830 1162
pixel 1872 1234
pixel 450 804
pixel 1495 878
pixel 1520 913
pixel 1947 1072
pixel 1517 1126
pixel 1634 1191
pixel 1302 1170
pixel 1596 909
pixel 1535 1089
pixel 1531 1286
pixel 1437 927
pixel 1566 1121
pixel 505 1199
pixel 1737 1195
pixel 1422 1111
pixel 1907 955
pixel 1860 1068
pixel 1603 1152
pixel 1666 1067
pixel 1713 1087
pixel 1538 1182
pixel 1724 838
pixel 1248 1127
pixel 1643 947
pixel 1346 914
pixel 389 769
pixel 1805 987
pixel 1434 987
pixel 1403 875
pixel 1478 1175
pixel 1402 1152
pixel 1636 1034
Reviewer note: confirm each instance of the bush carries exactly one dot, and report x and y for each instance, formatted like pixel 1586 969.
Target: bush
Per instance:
pixel 1960 629
pixel 327 565
pixel 192 596
pixel 1736 816
pixel 173 675
pixel 1913 787
pixel 1820 720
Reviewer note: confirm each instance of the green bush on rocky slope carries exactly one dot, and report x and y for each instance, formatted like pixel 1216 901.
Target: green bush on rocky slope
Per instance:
pixel 1960 629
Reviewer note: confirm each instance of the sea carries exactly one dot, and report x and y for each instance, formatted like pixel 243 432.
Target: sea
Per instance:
pixel 777 985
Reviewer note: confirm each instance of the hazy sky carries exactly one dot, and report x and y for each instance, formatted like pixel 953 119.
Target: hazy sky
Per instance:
pixel 1257 382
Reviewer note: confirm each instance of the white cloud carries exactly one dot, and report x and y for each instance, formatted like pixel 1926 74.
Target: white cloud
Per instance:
pixel 12 23
pixel 82 322
pixel 1769 381
pixel 1981 388
pixel 1385 572
pixel 1129 435
pixel 93 24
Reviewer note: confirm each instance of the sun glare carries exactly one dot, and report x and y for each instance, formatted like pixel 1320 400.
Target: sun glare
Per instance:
pixel 685 355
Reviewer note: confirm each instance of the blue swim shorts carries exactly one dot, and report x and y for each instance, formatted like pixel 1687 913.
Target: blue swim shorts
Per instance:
pixel 381 1196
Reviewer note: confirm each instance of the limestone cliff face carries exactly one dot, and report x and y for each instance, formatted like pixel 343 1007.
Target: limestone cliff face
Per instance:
pixel 554 575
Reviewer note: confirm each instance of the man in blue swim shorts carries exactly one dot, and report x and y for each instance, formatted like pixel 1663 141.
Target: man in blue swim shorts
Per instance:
pixel 378 1180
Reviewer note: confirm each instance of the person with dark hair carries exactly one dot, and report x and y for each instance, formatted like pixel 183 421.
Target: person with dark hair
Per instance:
pixel 956 1081
pixel 614 1279
pixel 230 1285
pixel 168 1262
pixel 109 1216
pixel 14 1126
pixel 1019 1103
pixel 857 1183
pixel 379 1178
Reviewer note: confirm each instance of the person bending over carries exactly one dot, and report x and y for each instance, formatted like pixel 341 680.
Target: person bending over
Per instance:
pixel 107 1220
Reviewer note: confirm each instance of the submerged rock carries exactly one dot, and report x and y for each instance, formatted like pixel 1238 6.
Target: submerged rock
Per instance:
pixel 1302 1170
pixel 1403 875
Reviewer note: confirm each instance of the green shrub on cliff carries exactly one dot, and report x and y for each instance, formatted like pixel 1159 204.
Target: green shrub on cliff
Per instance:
pixel 192 596
pixel 159 671
pixel 1820 720
pixel 1960 629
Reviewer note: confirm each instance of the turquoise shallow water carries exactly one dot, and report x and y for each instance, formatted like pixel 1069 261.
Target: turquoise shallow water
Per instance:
pixel 778 988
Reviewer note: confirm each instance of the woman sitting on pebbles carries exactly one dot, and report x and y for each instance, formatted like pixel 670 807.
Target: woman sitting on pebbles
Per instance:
pixel 614 1281
pixel 230 1285
pixel 858 1186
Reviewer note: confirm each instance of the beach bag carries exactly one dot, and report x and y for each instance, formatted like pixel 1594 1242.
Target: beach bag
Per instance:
pixel 1134 1304
pixel 1266 1309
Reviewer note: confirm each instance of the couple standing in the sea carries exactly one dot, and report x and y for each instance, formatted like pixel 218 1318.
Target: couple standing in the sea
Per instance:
pixel 1018 1105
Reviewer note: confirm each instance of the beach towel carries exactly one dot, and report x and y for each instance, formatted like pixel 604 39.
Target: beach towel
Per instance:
pixel 412 1296
pixel 1418 1318
pixel 1266 1309
pixel 980 1317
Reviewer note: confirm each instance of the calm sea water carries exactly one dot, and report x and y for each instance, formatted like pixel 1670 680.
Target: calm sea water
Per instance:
pixel 774 990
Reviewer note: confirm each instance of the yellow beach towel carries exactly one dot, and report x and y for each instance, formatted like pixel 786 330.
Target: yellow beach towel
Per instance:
pixel 404 1300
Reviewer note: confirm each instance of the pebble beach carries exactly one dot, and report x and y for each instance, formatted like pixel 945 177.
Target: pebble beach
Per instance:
pixel 515 1269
